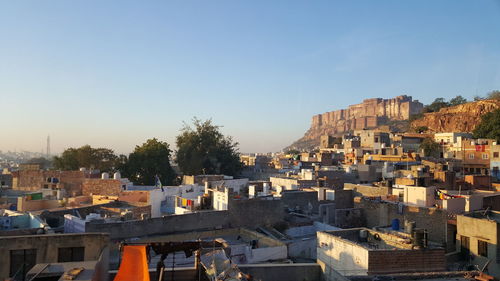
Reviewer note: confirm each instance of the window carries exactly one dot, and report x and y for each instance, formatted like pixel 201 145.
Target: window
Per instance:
pixel 485 155
pixel 464 246
pixel 471 156
pixel 21 261
pixel 376 139
pixel 495 154
pixel 482 248
pixel 71 254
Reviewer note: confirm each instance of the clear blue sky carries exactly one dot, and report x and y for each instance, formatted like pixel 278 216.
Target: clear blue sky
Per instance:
pixel 114 73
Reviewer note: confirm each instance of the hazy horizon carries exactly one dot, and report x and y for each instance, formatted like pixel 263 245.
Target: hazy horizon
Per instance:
pixel 116 73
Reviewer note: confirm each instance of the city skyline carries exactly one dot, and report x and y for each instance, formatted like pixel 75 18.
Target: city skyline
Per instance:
pixel 115 74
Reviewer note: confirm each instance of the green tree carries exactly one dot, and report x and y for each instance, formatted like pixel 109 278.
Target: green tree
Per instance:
pixel 205 150
pixel 478 98
pixel 494 95
pixel 436 105
pixel 103 159
pixel 430 147
pixel 489 127
pixel 421 129
pixel 149 160
pixel 458 100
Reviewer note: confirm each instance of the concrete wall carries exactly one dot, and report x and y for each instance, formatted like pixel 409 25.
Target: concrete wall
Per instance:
pixel 345 257
pixel 306 201
pixel 241 213
pixel 163 225
pixel 47 247
pixel 254 212
pixel 420 196
pixel 287 183
pixel 304 248
pixel 454 205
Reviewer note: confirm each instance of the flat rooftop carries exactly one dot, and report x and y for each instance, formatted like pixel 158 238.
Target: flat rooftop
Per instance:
pixel 375 240
pixel 485 215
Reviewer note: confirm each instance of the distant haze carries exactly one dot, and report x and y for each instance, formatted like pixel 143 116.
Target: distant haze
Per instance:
pixel 115 73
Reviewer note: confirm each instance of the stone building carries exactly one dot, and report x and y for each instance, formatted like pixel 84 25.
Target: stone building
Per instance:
pixel 369 114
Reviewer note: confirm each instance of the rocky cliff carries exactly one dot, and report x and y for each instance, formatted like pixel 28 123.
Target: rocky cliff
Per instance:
pixel 460 118
pixel 371 113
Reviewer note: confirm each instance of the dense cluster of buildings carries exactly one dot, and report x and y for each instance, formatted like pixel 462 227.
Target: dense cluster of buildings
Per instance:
pixel 365 206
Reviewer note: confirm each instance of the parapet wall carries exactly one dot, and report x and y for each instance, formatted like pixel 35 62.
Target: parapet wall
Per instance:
pixel 242 213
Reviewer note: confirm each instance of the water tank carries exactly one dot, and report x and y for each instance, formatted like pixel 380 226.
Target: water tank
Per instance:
pixel 395 224
pixel 117 175
pixel 409 226
pixel 104 176
pixel 251 191
pixel 363 235
pixel 266 188
pixel 83 169
pixel 206 187
pixel 348 170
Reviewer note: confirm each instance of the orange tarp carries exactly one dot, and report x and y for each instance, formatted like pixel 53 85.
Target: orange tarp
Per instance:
pixel 134 265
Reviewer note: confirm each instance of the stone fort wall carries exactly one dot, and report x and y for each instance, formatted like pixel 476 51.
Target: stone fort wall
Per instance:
pixel 368 114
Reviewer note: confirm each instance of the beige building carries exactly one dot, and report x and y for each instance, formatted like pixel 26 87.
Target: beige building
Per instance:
pixel 18 254
pixel 362 251
pixel 477 239
pixel 451 143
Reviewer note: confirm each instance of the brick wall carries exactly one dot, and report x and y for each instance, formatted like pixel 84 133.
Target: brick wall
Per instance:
pixel 101 187
pixel 134 196
pixel 389 261
pixel 34 180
